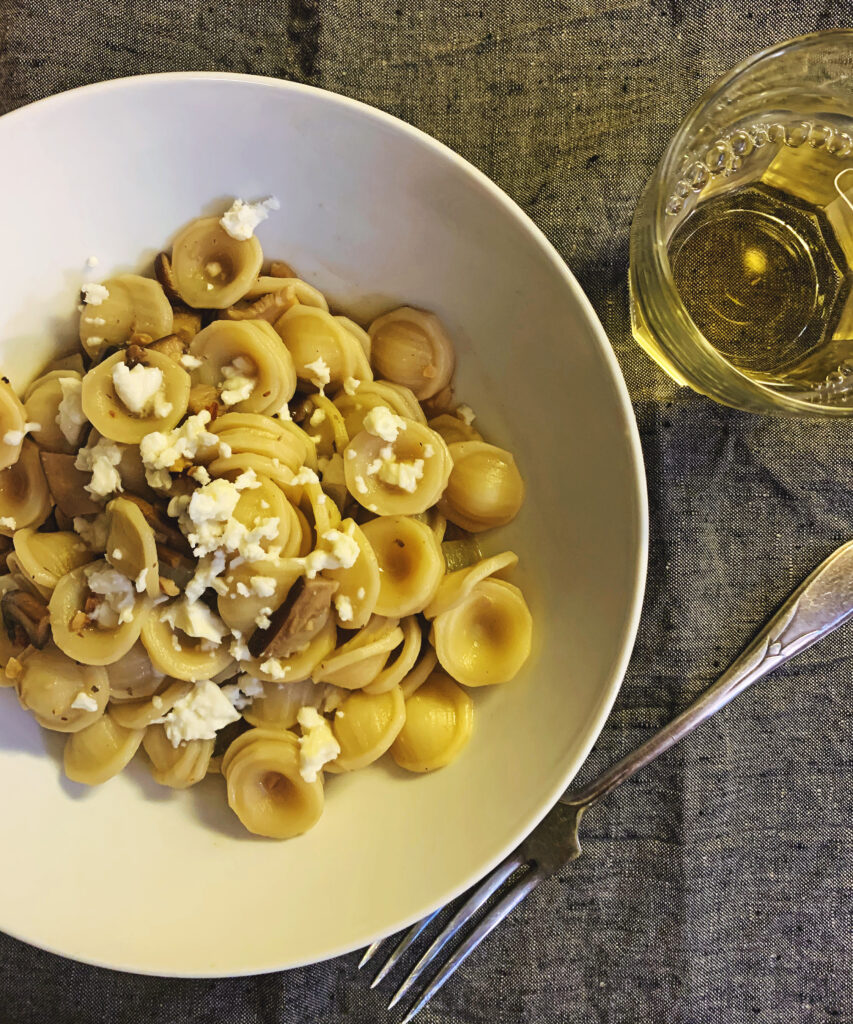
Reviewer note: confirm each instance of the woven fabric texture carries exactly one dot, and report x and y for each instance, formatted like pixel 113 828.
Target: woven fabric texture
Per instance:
pixel 717 887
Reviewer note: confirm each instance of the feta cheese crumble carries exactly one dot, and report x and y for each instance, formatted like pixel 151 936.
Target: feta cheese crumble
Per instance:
pixel 341 551
pixel 84 702
pixel 466 414
pixel 190 362
pixel 343 605
pixel 116 593
pixel 8 523
pixel 306 475
pixel 404 475
pixel 351 385
pixel 242 218
pixel 69 413
pixel 101 460
pixel 195 619
pixel 94 294
pixel 382 422
pixel 240 380
pixel 140 389
pixel 317 745
pixel 320 375
pixel 92 262
pixel 160 451
pixel 263 586
pixel 13 437
pixel 199 715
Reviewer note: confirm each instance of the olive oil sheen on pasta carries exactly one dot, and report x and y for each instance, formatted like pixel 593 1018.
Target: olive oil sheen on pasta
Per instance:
pixel 762 255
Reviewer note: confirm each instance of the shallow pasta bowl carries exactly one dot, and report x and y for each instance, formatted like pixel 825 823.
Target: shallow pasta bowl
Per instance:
pixel 374 213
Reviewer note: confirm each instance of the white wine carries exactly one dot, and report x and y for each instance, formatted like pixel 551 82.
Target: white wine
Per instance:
pixel 760 247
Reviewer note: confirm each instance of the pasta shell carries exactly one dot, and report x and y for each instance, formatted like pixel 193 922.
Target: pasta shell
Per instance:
pixel 484 490
pixel 24 494
pixel 240 605
pixel 133 677
pixel 44 558
pixel 177 767
pixel 411 565
pixel 138 714
pixel 416 447
pixel 403 659
pixel 299 666
pixel 358 332
pixel 219 344
pixel 266 791
pixel 359 585
pixel 133 305
pixel 50 683
pixel 175 654
pixel 439 720
pixel 453 429
pixel 8 648
pixel 421 672
pixel 12 418
pixel 303 292
pixel 371 394
pixel 323 422
pixel 211 269
pixel 485 638
pixel 131 546
pixel 410 346
pixel 360 660
pixel 312 335
pixel 456 586
pixel 281 703
pixel 365 726
pixel 100 751
pixel 111 417
pixel 42 406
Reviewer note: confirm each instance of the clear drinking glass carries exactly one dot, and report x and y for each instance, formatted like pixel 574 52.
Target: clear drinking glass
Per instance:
pixel 742 245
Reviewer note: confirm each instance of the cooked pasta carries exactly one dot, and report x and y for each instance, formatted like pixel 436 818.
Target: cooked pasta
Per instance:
pixel 242 532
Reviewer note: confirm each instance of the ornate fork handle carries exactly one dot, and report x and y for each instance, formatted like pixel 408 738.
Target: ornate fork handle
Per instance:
pixel 822 603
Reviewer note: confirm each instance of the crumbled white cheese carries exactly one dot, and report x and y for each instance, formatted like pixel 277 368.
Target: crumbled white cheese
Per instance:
pixel 466 414
pixel 141 581
pixel 84 702
pixel 264 503
pixel 92 261
pixel 317 745
pixel 242 589
pixel 190 362
pixel 262 619
pixel 7 523
pixel 199 715
pixel 273 667
pixel 361 593
pixel 93 532
pixel 352 453
pixel 101 460
pixel 69 413
pixel 263 586
pixel 404 475
pixel 206 572
pixel 284 413
pixel 98 321
pixel 138 388
pixel 240 380
pixel 215 501
pixel 94 294
pixel 306 475
pixel 429 451
pixel 341 551
pixel 13 437
pixel 197 473
pixel 344 608
pixel 239 651
pixel 382 422
pixel 361 484
pixel 116 593
pixel 242 218
pixel 321 374
pixel 351 385
pixel 248 481
pixel 162 450
pixel 213 269
pixel 195 619
pixel 318 416
pixel 116 554
pixel 243 692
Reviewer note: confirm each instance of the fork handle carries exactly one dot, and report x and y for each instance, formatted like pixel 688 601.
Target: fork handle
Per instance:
pixel 817 607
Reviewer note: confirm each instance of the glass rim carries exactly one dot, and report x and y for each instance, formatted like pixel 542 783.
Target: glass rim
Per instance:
pixel 710 96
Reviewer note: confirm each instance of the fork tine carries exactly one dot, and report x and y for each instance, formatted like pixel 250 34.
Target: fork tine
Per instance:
pixel 370 952
pixel 491 884
pixel 511 900
pixel 403 945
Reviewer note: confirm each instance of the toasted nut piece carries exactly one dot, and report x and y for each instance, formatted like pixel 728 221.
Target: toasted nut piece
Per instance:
pixel 79 622
pixel 135 353
pixel 13 668
pixel 204 396
pixel 169 587
pixel 278 268
pixel 67 484
pixel 24 611
pixel 267 307
pixel 171 346
pixel 163 273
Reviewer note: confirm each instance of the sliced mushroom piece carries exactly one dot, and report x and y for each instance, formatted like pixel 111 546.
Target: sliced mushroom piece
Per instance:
pixel 204 396
pixel 165 275
pixel 268 307
pixel 165 531
pixel 172 346
pixel 297 620
pixel 25 614
pixel 186 323
pixel 67 484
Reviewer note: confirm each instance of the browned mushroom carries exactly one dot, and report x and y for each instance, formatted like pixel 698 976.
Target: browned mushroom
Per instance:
pixel 267 307
pixel 204 396
pixel 140 338
pixel 186 323
pixel 135 353
pixel 297 620
pixel 165 530
pixel 171 346
pixel 174 566
pixel 67 484
pixel 163 273
pixel 26 618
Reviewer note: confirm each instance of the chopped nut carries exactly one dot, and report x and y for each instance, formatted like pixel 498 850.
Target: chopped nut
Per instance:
pixel 204 396
pixel 134 353
pixel 186 323
pixel 79 622
pixel 164 274
pixel 13 668
pixel 140 338
pixel 171 346
pixel 169 587
pixel 278 268
pixel 267 307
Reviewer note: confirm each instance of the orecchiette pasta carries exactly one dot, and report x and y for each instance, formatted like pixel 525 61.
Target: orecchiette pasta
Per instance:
pixel 225 528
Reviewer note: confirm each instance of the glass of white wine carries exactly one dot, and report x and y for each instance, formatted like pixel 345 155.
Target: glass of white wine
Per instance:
pixel 741 272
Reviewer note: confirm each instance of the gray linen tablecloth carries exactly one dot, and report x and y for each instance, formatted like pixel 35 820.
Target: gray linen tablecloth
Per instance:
pixel 717 886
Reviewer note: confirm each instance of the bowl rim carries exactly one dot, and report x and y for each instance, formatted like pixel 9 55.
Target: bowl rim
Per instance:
pixel 631 433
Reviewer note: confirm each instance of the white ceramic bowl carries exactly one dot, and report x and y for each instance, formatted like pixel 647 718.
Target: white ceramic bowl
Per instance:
pixel 374 213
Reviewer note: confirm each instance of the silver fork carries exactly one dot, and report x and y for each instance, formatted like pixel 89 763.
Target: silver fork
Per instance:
pixel 817 607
